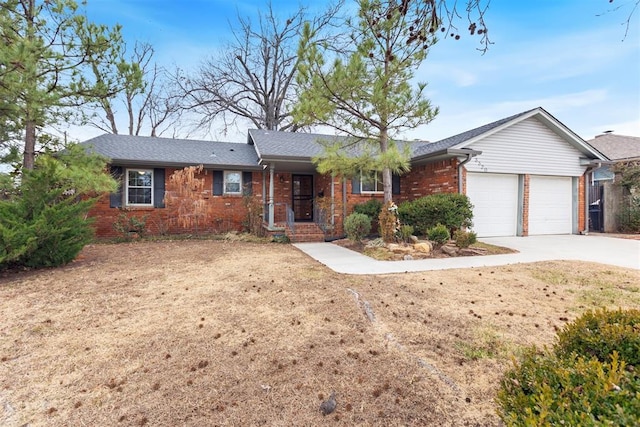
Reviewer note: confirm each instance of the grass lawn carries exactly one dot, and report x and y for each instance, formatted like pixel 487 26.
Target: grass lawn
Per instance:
pixel 234 333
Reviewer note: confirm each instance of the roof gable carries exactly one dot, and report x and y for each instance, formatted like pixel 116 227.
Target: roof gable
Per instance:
pixel 466 139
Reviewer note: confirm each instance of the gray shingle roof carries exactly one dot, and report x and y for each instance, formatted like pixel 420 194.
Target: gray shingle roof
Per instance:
pixel 299 146
pixel 443 144
pixel 617 147
pixel 144 150
pixel 276 144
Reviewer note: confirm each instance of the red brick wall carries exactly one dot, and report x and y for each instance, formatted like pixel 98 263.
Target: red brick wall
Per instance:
pixel 228 212
pixel 420 181
pixel 432 178
pixel 525 206
pixel 581 203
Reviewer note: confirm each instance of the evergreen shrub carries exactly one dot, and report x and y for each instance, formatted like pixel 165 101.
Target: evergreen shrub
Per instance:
pixel 357 226
pixel 589 378
pixel 439 234
pixel 452 210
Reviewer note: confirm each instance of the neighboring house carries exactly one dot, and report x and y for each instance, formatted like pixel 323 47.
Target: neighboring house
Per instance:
pixel 525 175
pixel 605 197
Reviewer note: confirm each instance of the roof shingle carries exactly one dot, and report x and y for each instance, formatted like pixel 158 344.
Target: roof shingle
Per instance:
pixel 617 147
pixel 143 150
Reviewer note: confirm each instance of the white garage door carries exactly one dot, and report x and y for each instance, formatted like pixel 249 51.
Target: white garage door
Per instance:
pixel 495 203
pixel 550 205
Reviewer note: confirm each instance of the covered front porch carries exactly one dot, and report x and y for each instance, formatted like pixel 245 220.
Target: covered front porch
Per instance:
pixel 300 203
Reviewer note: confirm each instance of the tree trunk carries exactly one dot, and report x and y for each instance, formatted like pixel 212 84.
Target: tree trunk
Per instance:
pixel 386 172
pixel 29 145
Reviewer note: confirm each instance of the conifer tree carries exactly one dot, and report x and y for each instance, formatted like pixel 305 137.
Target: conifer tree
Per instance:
pixel 364 88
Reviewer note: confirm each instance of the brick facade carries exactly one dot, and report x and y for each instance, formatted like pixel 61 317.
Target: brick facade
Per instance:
pixel 581 203
pixel 525 206
pixel 228 212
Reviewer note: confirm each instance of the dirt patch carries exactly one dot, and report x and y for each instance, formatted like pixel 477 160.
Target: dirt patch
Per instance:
pixel 235 333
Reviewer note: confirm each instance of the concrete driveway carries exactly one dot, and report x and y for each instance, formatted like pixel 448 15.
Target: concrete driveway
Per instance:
pixel 604 250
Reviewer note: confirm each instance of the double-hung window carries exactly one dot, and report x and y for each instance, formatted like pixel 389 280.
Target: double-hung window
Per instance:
pixel 371 182
pixel 232 182
pixel 139 191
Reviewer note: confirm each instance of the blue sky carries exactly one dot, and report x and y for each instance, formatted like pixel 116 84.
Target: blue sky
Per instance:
pixel 566 56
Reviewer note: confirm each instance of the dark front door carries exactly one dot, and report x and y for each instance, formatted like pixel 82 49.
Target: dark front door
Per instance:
pixel 302 197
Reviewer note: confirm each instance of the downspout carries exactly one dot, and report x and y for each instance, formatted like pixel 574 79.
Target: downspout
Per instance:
pixel 344 201
pixel 272 168
pixel 460 165
pixel 333 201
pixel 265 205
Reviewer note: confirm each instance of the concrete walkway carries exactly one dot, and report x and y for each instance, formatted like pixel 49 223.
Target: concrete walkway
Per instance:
pixel 604 250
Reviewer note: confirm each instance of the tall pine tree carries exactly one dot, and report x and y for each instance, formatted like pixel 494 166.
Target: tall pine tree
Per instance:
pixel 364 87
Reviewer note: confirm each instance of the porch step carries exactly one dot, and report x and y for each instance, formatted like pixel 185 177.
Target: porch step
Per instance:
pixel 305 232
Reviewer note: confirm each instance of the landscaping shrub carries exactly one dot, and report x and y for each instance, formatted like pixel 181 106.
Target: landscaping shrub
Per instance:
pixel 45 223
pixel 439 234
pixel 357 226
pixel 406 231
pixel 585 381
pixel 43 227
pixel 370 208
pixel 388 222
pixel 599 333
pixel 464 239
pixel 452 210
pixel 128 225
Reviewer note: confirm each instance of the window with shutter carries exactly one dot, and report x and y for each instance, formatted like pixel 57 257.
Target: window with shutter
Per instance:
pixel 139 187
pixel 115 199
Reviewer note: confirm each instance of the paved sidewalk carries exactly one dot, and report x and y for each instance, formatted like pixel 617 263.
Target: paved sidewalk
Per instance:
pixel 604 250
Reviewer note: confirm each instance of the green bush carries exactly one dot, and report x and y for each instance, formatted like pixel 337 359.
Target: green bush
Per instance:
pixel 45 224
pixel 406 231
pixel 370 208
pixel 439 234
pixel 543 389
pixel 599 333
pixel 357 226
pixel 43 227
pixel 464 239
pixel 585 381
pixel 452 210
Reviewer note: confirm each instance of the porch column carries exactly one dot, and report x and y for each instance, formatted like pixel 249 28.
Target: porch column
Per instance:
pixel 333 199
pixel 272 168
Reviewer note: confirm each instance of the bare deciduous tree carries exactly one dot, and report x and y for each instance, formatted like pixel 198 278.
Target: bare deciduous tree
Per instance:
pixel 149 97
pixel 253 78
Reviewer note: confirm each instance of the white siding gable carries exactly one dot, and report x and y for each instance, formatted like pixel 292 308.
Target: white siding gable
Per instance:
pixel 526 147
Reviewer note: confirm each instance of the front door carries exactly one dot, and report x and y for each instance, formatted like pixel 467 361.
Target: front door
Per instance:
pixel 302 201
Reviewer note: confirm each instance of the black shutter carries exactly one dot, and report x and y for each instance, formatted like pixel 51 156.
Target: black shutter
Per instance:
pixel 395 184
pixel 158 188
pixel 355 185
pixel 218 183
pixel 247 183
pixel 115 199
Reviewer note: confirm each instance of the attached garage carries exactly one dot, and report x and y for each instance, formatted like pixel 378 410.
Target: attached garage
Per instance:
pixel 495 201
pixel 524 174
pixel 550 205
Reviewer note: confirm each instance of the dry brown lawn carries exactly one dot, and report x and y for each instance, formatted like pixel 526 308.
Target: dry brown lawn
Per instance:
pixel 234 333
